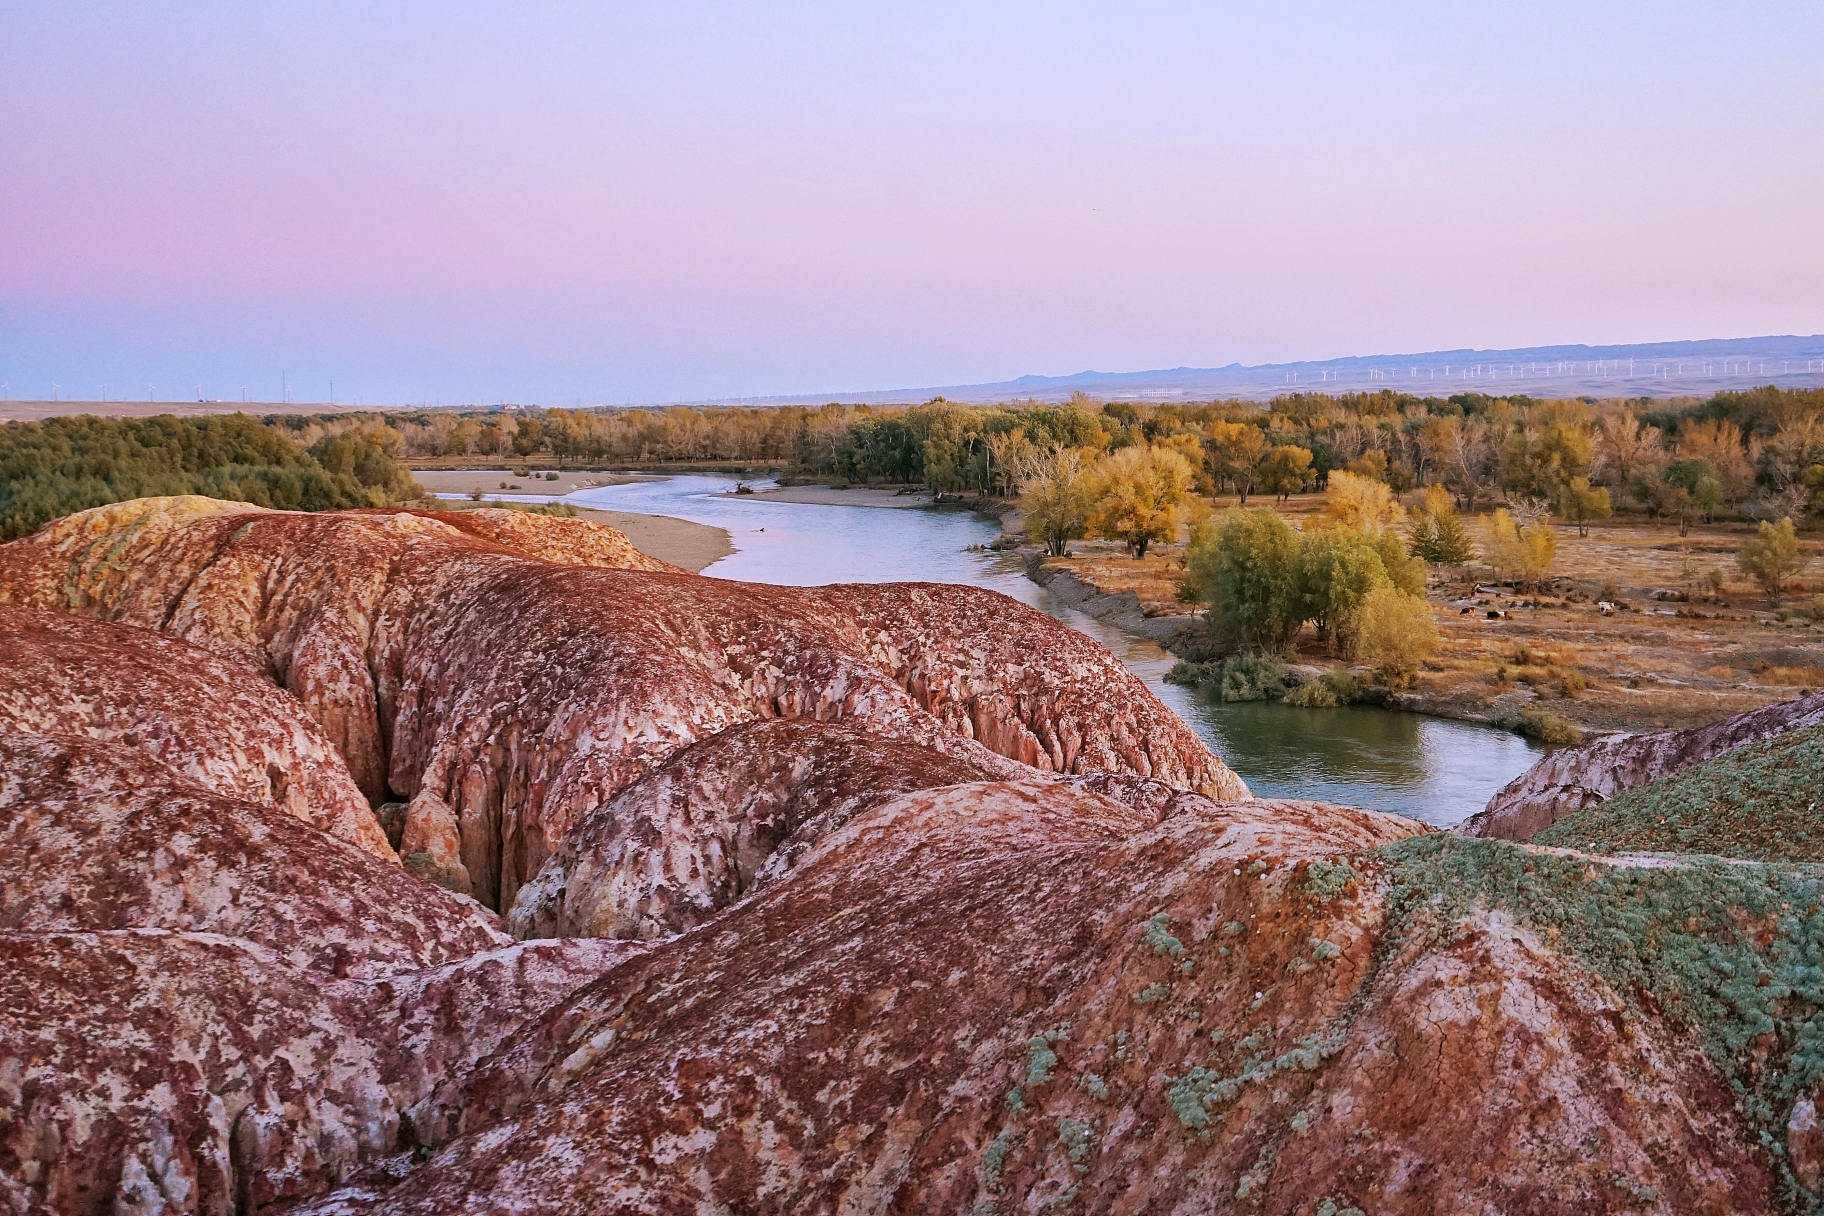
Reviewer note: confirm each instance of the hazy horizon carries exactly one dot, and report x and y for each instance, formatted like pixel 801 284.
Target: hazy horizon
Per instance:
pixel 455 203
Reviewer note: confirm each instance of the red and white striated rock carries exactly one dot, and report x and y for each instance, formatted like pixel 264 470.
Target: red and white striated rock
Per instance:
pixel 147 1071
pixel 507 696
pixel 1573 778
pixel 99 836
pixel 719 819
pixel 212 721
pixel 1000 995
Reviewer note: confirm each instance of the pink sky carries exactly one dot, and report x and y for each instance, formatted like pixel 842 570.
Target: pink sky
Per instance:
pixel 615 203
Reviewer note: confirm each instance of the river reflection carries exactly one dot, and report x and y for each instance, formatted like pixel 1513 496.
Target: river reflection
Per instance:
pixel 1431 769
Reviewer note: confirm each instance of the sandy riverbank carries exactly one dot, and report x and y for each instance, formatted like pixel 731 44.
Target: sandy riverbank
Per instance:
pixel 489 481
pixel 678 541
pixel 829 496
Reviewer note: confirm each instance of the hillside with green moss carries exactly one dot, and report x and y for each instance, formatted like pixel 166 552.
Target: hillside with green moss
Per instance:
pixel 1760 803
pixel 52 468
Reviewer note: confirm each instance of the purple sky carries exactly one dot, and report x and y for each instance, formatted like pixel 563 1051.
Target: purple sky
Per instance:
pixel 548 202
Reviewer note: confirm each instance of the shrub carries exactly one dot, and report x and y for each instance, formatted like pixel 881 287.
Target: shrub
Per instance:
pixel 1770 557
pixel 1251 677
pixel 1326 691
pixel 1543 726
pixel 1394 633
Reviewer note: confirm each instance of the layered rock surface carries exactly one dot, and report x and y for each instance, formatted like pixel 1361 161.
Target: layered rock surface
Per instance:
pixel 209 720
pixel 1574 778
pixel 505 695
pixel 1015 996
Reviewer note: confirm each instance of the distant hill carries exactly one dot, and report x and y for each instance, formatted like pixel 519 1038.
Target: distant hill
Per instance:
pixel 1649 369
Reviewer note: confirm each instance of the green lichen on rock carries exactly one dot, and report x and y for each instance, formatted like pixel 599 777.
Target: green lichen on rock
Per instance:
pixel 1324 950
pixel 1040 1060
pixel 1193 1095
pixel 1731 952
pixel 1762 802
pixel 1159 937
pixel 1094 1086
pixel 994 1158
pixel 1325 880
pixel 1152 994
pixel 1074 1135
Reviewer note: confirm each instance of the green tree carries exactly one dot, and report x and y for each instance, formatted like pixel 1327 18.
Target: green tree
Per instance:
pixel 1055 500
pixel 1438 534
pixel 1244 566
pixel 1582 503
pixel 1338 568
pixel 1771 556
pixel 1285 471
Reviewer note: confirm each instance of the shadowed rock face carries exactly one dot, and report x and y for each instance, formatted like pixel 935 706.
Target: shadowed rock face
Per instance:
pixel 1574 778
pixel 1022 994
pixel 219 725
pixel 151 1071
pixel 507 696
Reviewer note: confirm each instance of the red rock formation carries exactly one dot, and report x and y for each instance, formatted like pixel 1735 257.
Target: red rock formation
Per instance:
pixel 1573 778
pixel 1022 995
pixel 97 836
pixel 159 1072
pixel 719 819
pixel 218 724
pixel 508 696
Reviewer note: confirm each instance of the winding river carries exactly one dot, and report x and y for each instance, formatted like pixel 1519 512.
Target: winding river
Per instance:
pixel 1434 770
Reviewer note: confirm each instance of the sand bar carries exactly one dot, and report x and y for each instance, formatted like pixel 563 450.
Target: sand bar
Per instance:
pixel 828 496
pixel 468 481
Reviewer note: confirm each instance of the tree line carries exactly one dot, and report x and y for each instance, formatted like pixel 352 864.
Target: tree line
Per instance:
pixel 51 468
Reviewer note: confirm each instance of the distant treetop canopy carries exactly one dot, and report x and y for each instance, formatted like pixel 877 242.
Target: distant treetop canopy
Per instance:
pixel 49 469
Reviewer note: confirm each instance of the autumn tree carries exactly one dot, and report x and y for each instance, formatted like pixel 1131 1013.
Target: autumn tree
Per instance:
pixel 1395 633
pixel 1234 451
pixel 1355 501
pixel 1285 471
pixel 1523 553
pixel 1583 502
pixel 1142 494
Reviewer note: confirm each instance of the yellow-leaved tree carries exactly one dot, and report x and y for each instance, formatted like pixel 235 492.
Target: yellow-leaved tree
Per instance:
pixel 1143 495
pixel 1362 503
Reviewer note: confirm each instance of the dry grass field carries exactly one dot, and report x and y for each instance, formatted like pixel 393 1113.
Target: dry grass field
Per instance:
pixel 1677 650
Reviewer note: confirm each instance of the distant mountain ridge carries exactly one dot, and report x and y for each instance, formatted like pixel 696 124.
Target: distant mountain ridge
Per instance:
pixel 1648 369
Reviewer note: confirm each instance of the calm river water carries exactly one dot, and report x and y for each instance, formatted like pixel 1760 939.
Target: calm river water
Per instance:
pixel 1431 769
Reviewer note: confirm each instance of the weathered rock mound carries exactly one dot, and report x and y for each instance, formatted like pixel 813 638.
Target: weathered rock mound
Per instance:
pixel 567 542
pixel 97 837
pixel 719 819
pixel 159 1072
pixel 1761 802
pixel 1573 778
pixel 217 724
pixel 1022 995
pixel 507 696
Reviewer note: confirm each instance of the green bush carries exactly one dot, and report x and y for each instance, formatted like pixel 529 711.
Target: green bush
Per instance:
pixel 1327 691
pixel 1251 677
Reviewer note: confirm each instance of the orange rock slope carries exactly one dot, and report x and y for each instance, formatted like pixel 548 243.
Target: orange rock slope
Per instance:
pixel 936 908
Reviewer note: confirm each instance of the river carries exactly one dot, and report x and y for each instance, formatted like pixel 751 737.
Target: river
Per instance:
pixel 1434 770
